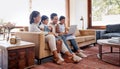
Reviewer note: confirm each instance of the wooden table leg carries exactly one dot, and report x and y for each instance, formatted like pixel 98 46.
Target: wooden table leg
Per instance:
pixel 100 51
pixel 119 56
pixel 111 49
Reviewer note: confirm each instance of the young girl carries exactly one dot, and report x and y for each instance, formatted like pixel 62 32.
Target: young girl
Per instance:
pixel 44 26
pixel 62 31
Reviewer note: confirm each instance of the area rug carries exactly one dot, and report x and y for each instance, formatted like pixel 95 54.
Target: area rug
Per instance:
pixel 91 62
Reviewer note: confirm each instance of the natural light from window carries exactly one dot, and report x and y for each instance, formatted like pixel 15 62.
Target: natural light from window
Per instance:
pixel 105 12
pixel 17 11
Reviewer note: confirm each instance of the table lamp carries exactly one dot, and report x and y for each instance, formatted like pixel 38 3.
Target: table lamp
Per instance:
pixel 82 20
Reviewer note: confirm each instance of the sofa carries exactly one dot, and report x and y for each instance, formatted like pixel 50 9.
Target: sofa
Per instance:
pixel 110 31
pixel 83 38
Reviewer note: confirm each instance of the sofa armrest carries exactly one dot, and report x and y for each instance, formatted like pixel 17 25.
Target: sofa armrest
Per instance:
pixel 87 32
pixel 36 37
pixel 102 32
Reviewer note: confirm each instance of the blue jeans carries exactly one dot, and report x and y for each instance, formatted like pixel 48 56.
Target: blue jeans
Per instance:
pixel 73 43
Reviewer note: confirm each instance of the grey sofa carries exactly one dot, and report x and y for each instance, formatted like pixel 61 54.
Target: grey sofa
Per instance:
pixel 111 31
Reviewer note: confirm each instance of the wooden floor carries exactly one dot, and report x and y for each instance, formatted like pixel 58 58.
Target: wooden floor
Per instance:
pixel 91 62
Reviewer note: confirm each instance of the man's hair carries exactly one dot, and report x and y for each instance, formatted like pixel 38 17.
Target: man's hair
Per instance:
pixel 53 15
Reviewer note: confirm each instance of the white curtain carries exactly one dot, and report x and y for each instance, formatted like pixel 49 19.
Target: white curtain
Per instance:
pixel 3 58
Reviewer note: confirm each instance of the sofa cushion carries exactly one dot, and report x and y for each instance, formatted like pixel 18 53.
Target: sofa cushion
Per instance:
pixel 77 33
pixel 80 39
pixel 113 28
pixel 88 38
pixel 47 46
pixel 109 35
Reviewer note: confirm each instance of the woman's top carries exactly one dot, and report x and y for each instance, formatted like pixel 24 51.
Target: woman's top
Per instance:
pixel 35 28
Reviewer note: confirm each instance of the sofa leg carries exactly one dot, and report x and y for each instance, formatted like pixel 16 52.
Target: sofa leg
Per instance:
pixel 94 44
pixel 38 61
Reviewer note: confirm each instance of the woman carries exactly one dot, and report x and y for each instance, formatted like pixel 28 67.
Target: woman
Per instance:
pixel 54 20
pixel 34 23
pixel 62 31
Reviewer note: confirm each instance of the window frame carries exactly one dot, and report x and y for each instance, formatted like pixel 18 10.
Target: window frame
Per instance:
pixel 90 17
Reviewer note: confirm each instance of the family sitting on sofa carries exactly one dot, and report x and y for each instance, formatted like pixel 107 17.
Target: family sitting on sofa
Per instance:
pixel 55 36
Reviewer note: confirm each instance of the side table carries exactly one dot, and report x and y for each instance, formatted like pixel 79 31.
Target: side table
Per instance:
pixel 20 55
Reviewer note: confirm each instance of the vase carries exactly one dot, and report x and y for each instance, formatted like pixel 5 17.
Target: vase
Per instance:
pixel 6 35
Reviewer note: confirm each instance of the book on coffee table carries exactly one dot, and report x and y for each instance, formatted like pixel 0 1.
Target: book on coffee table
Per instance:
pixel 115 40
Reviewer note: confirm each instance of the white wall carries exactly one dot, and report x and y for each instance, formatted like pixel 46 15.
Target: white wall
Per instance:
pixel 78 8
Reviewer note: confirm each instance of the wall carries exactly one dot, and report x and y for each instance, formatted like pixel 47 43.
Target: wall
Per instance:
pixel 78 8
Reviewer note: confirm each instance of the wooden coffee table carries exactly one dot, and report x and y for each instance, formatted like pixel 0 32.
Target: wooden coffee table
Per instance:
pixel 105 42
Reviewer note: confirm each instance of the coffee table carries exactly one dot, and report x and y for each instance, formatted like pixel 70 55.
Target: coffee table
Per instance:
pixel 105 42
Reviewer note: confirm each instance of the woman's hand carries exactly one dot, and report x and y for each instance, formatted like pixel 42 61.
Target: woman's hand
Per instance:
pixel 42 29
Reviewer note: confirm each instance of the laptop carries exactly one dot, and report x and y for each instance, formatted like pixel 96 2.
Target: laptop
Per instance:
pixel 72 30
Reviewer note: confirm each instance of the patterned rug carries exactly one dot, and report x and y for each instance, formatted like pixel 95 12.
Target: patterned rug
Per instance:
pixel 91 62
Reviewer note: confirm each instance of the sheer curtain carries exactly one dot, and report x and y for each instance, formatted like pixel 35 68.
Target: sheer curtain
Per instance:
pixel 16 11
pixel 3 58
pixel 46 7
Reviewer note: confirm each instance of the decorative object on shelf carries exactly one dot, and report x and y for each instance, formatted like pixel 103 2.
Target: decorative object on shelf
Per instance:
pixel 13 39
pixel 82 21
pixel 7 29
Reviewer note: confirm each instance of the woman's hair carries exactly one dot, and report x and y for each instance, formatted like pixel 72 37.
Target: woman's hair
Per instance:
pixel 33 15
pixel 53 15
pixel 43 18
pixel 61 18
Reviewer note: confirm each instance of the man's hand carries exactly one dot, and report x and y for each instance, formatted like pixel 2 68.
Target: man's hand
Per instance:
pixel 66 32
pixel 62 33
pixel 51 33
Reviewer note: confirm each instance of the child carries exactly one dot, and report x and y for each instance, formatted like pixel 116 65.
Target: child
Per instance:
pixel 62 31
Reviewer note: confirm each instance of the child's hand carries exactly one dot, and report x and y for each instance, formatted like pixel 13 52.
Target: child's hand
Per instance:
pixel 50 28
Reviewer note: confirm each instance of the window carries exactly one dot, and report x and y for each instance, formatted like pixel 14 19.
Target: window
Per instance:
pixel 104 12
pixel 18 11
